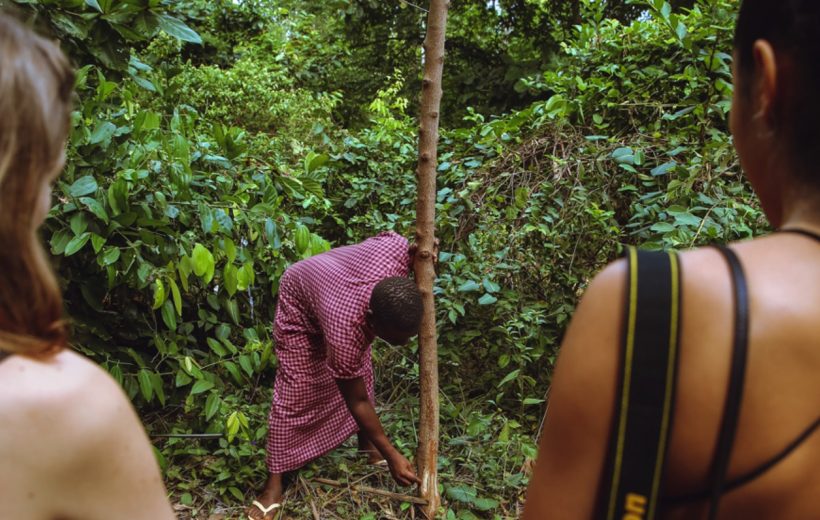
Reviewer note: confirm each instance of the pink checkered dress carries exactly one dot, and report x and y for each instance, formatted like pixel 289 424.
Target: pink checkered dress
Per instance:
pixel 321 335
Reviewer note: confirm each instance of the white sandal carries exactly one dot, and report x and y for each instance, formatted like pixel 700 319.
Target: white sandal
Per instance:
pixel 263 509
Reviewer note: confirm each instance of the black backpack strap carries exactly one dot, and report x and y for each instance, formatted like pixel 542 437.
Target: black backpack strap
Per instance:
pixel 646 388
pixel 737 375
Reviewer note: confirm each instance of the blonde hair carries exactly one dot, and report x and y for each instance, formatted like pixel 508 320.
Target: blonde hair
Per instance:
pixel 36 83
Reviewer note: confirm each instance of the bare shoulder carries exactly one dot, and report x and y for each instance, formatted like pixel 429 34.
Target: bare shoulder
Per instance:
pixel 573 442
pixel 66 394
pixel 61 379
pixel 589 350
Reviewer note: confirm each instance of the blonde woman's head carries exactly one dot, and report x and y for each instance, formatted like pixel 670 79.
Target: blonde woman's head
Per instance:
pixel 36 83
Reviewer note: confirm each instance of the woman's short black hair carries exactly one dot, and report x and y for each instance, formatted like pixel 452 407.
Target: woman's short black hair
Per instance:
pixel 396 302
pixel 792 27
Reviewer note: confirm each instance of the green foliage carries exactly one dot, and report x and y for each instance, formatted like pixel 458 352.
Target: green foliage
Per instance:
pixel 103 31
pixel 171 229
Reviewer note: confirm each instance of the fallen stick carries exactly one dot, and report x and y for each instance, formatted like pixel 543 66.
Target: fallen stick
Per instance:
pixel 372 491
pixel 188 435
pixel 309 493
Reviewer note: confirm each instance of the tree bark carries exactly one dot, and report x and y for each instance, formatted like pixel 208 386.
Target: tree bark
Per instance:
pixel 424 265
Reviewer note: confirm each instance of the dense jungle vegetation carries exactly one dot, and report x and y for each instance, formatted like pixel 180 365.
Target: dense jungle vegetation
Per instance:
pixel 209 134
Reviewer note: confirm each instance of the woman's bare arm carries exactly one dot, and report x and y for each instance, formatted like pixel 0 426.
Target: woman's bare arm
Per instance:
pixel 574 441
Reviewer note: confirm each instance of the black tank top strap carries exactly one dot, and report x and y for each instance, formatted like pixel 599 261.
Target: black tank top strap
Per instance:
pixel 751 475
pixel 3 356
pixel 737 374
pixel 804 232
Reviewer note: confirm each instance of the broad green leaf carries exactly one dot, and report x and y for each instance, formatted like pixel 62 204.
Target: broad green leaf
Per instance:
pixel 76 244
pixel 212 405
pixel 244 277
pixel 301 238
pixel 487 299
pixel 201 386
pixel 182 379
pixel 687 219
pixel 681 31
pixel 83 186
pixel 509 377
pixel 111 255
pixel 624 155
pixel 217 347
pixel 143 272
pixel 223 331
pixel 59 241
pixel 177 297
pixel 314 161
pixel 464 494
pixel 225 222
pixel 147 121
pixel 663 169
pixel 94 4
pixel 209 274
pixel 245 363
pixel 178 29
pixel 159 294
pixel 232 426
pixel 184 268
pixel 146 386
pixel 663 227
pixel 156 385
pixel 231 367
pixel 233 311
pixel 504 436
pixel 666 10
pixel 490 286
pixel 272 233
pixel 102 133
pixel 469 286
pixel 230 279
pixel 203 260
pixel 230 249
pixel 97 242
pixel 95 207
pixel 169 315
pixel 144 83
pixel 485 504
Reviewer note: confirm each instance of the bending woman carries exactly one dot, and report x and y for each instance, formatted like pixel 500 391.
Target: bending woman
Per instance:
pixel 774 452
pixel 71 445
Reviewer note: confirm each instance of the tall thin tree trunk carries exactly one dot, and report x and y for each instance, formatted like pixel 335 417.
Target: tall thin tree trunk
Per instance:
pixel 424 266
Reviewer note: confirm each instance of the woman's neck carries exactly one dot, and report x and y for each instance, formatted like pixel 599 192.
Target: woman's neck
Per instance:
pixel 801 209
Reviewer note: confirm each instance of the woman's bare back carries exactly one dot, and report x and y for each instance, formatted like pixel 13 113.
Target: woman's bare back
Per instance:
pixel 72 446
pixel 781 393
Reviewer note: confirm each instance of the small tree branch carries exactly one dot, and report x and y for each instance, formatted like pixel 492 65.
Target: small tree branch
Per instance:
pixel 372 491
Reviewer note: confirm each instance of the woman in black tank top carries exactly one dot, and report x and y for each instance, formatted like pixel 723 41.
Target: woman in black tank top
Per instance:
pixel 730 376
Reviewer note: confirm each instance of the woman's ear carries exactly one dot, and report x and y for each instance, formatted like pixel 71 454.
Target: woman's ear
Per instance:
pixel 765 82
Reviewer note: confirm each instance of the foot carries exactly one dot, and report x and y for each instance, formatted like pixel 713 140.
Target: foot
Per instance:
pixel 263 507
pixel 259 511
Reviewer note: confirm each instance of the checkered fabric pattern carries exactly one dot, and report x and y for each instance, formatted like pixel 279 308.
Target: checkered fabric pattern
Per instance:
pixel 321 335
